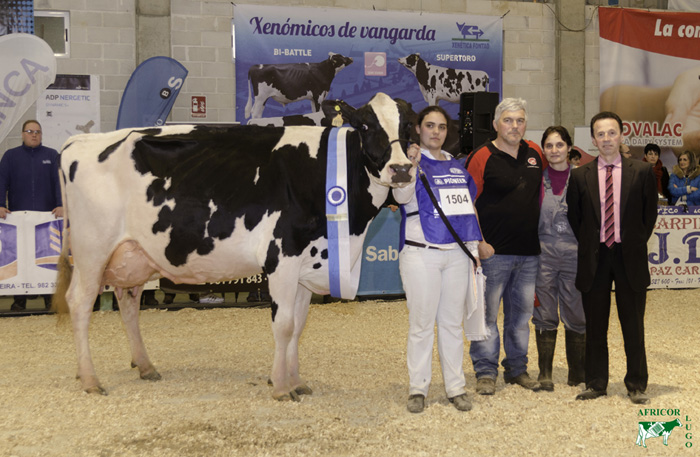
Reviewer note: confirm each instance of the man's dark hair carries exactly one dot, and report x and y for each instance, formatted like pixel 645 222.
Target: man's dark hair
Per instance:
pixel 606 115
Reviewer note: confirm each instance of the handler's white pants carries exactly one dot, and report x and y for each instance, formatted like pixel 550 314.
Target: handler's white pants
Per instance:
pixel 435 282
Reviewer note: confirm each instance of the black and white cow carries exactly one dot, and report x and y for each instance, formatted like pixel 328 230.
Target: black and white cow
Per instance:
pixel 291 82
pixel 442 83
pixel 324 117
pixel 199 204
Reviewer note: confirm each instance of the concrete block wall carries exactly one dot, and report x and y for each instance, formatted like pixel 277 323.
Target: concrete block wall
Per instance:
pixel 103 43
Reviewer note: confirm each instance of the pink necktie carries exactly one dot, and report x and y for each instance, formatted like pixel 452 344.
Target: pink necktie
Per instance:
pixel 609 207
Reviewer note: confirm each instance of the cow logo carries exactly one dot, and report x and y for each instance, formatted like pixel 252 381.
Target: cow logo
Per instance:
pixel 470 31
pixel 655 430
pixel 375 63
pixel 336 195
pixel 532 161
pixel 165 93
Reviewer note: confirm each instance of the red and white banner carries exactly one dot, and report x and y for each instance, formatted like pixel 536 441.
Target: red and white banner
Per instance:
pixel 649 75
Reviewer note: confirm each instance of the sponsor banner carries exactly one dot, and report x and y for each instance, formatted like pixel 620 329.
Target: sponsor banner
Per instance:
pixel 674 258
pixel 70 106
pixel 30 244
pixel 380 256
pixel 27 67
pixel 151 92
pixel 649 69
pixel 300 56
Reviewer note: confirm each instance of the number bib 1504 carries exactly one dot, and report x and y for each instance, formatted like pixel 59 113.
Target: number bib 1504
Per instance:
pixel 456 201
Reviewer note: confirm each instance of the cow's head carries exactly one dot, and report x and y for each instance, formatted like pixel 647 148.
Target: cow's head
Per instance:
pixel 338 61
pixel 384 125
pixel 410 61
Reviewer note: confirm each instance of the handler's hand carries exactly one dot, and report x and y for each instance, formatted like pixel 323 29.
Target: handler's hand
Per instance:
pixel 4 212
pixel 485 250
pixel 413 153
pixel 57 211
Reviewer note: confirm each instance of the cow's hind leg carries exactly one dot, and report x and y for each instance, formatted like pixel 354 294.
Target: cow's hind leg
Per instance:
pixel 129 302
pixel 288 319
pixel 81 297
pixel 301 311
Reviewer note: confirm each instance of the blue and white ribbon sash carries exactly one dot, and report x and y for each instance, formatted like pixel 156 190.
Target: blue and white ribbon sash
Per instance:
pixel 343 274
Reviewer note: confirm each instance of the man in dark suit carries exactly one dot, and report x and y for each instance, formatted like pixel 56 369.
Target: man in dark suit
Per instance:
pixel 612 211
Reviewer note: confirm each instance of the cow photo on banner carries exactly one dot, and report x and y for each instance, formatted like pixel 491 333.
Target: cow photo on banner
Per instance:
pixel 289 59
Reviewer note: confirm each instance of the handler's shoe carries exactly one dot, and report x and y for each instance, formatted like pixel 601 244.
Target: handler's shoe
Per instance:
pixel 591 394
pixel 416 403
pixel 485 386
pixel 638 397
pixel 210 299
pixel 524 380
pixel 461 402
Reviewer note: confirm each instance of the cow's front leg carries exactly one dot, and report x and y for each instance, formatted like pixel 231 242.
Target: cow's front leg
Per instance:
pixel 301 311
pixel 129 302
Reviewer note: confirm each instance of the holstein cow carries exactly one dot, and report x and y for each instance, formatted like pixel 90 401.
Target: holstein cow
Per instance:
pixel 325 117
pixel 442 83
pixel 654 430
pixel 201 204
pixel 291 82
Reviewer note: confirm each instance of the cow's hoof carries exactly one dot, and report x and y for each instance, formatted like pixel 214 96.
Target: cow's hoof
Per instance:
pixel 303 390
pixel 96 390
pixel 288 396
pixel 151 375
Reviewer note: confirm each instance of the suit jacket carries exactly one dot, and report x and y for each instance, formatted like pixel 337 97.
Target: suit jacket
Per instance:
pixel 638 202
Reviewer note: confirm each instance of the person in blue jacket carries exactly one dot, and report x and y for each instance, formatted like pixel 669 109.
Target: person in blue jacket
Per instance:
pixel 29 182
pixel 434 270
pixel 685 181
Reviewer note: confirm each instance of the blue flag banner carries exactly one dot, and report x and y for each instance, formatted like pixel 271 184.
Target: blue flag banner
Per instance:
pixel 151 92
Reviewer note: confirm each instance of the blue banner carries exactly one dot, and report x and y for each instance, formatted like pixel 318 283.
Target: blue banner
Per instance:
pixel 380 256
pixel 289 59
pixel 151 92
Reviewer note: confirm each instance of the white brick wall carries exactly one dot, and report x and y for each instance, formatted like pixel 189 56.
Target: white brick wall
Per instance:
pixel 103 43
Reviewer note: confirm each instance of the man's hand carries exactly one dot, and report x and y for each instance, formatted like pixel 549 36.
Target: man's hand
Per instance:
pixel 4 212
pixel 57 211
pixel 485 250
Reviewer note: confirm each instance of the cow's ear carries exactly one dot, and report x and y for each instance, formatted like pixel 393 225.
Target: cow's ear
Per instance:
pixel 333 108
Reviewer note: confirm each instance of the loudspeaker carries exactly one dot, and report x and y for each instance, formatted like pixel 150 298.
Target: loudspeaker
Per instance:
pixel 476 111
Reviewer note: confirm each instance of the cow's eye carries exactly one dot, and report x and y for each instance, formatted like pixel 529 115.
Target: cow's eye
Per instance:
pixel 364 127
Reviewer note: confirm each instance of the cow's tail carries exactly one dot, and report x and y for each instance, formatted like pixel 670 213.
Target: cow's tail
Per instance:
pixel 249 105
pixel 65 270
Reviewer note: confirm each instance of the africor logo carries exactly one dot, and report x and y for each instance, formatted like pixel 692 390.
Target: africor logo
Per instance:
pixel 655 430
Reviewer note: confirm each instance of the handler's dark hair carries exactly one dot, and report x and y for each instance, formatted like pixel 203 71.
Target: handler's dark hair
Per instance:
pixel 574 154
pixel 431 109
pixel 605 115
pixel 561 130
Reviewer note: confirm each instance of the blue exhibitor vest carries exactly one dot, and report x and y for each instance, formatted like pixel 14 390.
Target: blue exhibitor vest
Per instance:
pixel 453 188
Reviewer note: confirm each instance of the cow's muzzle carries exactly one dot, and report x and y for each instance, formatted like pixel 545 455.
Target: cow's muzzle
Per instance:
pixel 401 170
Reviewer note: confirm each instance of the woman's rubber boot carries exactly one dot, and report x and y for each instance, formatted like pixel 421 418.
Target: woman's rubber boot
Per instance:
pixel 546 340
pixel 576 357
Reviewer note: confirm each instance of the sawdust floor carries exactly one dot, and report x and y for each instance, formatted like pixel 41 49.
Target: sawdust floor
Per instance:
pixel 214 399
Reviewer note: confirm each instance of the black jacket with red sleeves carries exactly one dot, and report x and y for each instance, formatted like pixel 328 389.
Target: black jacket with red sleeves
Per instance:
pixel 508 196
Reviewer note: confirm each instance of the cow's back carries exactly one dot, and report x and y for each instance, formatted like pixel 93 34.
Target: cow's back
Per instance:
pixel 197 198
